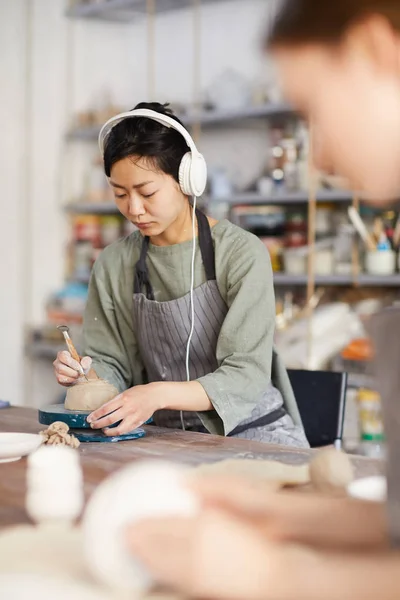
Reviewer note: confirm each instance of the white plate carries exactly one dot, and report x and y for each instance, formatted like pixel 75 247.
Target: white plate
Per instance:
pixel 373 489
pixel 15 445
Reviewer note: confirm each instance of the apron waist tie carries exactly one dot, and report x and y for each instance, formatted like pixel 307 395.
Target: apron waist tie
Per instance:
pixel 268 419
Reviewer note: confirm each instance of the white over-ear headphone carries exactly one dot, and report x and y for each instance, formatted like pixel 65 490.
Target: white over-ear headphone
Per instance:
pixel 193 168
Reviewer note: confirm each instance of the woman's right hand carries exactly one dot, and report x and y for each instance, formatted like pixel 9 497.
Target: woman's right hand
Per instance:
pixel 67 369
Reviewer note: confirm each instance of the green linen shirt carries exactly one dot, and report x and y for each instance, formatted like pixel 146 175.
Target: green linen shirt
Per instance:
pixel 245 345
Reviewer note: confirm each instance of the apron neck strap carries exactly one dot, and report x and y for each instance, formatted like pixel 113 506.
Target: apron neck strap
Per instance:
pixel 141 273
pixel 206 245
pixel 207 254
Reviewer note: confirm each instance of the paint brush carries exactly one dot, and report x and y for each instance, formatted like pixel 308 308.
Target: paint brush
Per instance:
pixel 361 228
pixel 396 234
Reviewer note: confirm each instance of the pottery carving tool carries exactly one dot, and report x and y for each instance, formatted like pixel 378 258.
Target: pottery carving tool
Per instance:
pixel 65 331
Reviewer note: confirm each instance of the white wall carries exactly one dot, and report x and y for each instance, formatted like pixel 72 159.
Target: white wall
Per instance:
pixel 71 65
pixel 12 203
pixel 50 106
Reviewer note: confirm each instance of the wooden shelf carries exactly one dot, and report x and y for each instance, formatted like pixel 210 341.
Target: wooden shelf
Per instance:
pixel 363 280
pixel 207 118
pixel 301 280
pixel 379 280
pixel 220 117
pixel 109 208
pixel 92 208
pixel 43 349
pixel 284 198
pixel 85 134
pixel 124 11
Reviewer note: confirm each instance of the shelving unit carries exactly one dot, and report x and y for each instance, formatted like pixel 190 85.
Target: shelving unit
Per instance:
pixel 280 279
pixel 123 11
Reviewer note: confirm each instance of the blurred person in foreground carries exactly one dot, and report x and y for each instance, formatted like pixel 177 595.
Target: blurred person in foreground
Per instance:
pixel 340 66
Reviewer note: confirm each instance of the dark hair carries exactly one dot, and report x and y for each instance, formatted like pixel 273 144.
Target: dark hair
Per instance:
pixel 325 21
pixel 143 137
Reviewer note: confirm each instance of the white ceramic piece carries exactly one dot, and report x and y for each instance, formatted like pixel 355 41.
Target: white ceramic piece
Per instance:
pixel 265 186
pixel 324 263
pixel 373 489
pixel 230 91
pixel 63 506
pixel 54 485
pixel 380 262
pixel 141 490
pixel 295 262
pixel 15 445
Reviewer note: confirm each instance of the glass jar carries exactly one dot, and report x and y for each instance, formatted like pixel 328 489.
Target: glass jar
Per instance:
pixel 344 249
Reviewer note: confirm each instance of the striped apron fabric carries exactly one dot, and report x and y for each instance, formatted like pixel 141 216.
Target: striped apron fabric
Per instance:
pixel 162 330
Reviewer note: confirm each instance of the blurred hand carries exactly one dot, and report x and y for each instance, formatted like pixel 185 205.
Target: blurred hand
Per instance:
pixel 309 518
pixel 66 369
pixel 250 542
pixel 214 556
pixel 219 556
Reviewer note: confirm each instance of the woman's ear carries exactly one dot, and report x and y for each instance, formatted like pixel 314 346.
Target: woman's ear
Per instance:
pixel 375 37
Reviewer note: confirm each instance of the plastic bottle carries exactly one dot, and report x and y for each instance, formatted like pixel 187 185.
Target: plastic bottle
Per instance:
pixel 371 424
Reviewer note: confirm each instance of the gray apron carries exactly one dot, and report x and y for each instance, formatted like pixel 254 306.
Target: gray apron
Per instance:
pixel 162 330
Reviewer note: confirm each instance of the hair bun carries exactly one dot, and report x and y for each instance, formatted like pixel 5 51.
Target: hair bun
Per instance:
pixel 163 109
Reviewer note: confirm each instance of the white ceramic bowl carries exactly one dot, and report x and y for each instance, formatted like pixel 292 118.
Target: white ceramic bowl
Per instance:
pixel 15 445
pixel 373 489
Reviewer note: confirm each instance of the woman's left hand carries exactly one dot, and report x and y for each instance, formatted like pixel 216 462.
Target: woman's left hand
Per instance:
pixel 133 408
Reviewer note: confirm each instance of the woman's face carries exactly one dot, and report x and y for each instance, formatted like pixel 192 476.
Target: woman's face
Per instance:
pixel 351 97
pixel 149 198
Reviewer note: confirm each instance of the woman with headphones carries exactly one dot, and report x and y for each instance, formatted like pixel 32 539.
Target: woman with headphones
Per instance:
pixel 185 333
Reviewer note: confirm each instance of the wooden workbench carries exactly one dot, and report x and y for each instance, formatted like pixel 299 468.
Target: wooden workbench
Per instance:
pixel 101 459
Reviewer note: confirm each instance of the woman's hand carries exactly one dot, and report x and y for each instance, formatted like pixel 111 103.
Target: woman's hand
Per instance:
pixel 67 370
pixel 133 408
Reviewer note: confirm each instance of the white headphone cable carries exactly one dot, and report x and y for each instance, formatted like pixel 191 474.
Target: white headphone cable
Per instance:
pixel 191 299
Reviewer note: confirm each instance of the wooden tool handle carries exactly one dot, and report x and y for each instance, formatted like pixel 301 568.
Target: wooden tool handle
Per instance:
pixel 73 351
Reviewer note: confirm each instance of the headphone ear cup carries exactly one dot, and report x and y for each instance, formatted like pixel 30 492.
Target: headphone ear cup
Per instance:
pixel 193 174
pixel 184 174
